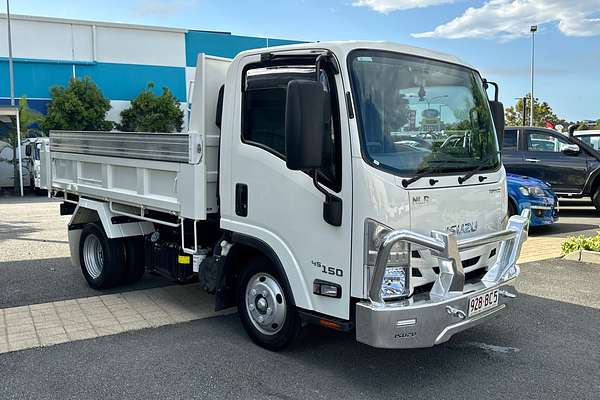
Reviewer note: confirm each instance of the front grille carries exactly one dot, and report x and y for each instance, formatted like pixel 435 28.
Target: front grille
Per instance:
pixel 466 264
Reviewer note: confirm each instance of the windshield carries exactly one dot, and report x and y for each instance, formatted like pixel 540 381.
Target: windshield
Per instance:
pixel 592 140
pixel 417 115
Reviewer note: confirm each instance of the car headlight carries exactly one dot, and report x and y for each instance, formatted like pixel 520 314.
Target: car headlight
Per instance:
pixel 532 191
pixel 396 280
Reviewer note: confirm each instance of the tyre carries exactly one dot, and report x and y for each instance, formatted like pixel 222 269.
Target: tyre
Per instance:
pixel 596 199
pixel 101 258
pixel 134 259
pixel 266 309
pixel 512 209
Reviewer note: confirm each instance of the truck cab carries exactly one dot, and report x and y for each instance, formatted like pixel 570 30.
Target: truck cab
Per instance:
pixel 355 185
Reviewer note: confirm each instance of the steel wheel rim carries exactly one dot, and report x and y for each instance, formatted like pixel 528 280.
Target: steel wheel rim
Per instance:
pixel 93 256
pixel 265 303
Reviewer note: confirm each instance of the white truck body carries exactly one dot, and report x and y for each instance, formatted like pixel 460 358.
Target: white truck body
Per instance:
pixel 215 173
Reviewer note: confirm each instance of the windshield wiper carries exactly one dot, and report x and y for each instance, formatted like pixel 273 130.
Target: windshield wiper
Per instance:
pixel 420 174
pixel 464 178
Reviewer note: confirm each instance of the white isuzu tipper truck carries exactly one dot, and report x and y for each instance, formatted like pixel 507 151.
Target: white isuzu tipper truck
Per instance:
pixel 354 185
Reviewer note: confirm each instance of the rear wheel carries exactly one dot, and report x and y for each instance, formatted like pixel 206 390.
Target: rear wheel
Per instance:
pixel 134 259
pixel 266 309
pixel 101 258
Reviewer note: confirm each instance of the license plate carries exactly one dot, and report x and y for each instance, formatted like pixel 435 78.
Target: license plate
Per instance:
pixel 483 302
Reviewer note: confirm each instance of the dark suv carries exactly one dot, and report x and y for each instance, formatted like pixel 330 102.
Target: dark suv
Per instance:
pixel 569 165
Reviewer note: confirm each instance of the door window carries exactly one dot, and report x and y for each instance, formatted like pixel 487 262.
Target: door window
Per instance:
pixel 510 140
pixel 545 141
pixel 263 114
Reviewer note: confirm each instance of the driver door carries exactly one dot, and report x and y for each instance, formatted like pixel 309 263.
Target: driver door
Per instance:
pixel 567 173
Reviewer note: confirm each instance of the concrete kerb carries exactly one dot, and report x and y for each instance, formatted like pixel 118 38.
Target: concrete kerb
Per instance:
pixel 586 256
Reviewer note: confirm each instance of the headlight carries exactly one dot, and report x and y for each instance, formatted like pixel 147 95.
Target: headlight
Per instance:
pixel 396 280
pixel 533 191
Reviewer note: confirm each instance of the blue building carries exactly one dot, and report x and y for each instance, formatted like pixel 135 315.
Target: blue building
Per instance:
pixel 120 58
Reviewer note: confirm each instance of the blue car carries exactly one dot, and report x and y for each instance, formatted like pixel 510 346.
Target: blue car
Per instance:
pixel 525 192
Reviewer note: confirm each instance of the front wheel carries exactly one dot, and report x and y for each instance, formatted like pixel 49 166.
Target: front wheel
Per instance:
pixel 266 309
pixel 596 198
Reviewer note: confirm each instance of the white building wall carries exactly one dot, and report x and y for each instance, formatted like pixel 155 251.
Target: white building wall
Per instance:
pixel 66 40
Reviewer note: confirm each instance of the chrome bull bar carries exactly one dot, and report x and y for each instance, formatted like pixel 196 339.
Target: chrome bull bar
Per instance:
pixel 446 248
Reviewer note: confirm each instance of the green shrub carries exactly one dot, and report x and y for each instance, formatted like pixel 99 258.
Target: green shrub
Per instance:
pixel 581 242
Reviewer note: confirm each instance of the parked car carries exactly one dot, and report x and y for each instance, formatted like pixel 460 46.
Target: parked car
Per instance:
pixel 534 194
pixel 590 137
pixel 570 165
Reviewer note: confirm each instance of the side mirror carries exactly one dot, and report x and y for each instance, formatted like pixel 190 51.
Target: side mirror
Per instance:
pixel 307 110
pixel 571 149
pixel 28 151
pixel 497 109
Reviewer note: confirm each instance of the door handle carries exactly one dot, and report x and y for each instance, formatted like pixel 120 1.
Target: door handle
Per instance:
pixel 532 160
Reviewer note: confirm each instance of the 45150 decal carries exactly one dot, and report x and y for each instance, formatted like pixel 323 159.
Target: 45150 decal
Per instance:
pixel 328 270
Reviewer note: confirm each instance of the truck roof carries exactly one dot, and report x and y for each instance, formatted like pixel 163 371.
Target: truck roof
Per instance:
pixel 345 47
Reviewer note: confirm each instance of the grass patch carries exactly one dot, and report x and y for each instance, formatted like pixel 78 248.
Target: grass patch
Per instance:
pixel 574 243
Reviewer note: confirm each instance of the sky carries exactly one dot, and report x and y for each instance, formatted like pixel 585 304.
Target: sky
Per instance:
pixel 491 35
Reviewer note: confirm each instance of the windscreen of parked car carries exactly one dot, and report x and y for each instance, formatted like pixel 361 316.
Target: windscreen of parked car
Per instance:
pixel 592 140
pixel 418 115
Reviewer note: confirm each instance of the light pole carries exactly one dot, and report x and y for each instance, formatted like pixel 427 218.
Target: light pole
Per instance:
pixel 532 29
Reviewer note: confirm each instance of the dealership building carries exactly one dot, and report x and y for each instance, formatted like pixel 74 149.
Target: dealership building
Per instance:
pixel 120 58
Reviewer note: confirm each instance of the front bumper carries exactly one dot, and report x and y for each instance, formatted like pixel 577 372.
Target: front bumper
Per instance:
pixel 428 319
pixel 543 211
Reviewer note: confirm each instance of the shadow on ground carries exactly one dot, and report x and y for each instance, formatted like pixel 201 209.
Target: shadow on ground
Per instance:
pixel 40 281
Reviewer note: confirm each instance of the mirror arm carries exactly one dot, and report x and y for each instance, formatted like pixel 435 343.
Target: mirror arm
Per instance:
pixel 318 185
pixel 494 84
pixel 332 207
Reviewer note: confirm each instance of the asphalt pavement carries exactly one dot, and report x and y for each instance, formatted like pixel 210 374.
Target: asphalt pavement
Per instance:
pixel 541 349
pixel 545 347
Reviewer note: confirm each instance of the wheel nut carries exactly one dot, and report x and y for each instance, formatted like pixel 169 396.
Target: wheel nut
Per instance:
pixel 269 311
pixel 251 307
pixel 264 293
pixel 261 320
pixel 253 292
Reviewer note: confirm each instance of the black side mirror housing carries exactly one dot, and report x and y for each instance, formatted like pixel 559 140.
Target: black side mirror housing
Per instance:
pixel 28 151
pixel 497 109
pixel 307 106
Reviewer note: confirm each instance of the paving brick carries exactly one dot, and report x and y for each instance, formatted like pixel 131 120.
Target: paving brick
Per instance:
pixel 100 323
pixel 80 335
pixel 110 330
pixel 23 344
pixel 51 332
pixel 77 327
pixel 52 340
pixel 134 325
pixel 15 337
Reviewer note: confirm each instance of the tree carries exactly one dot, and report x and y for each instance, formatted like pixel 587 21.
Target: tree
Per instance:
pixel 151 113
pixel 542 113
pixel 80 107
pixel 28 119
